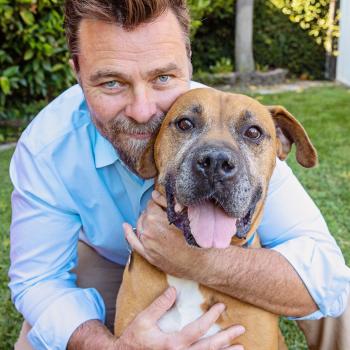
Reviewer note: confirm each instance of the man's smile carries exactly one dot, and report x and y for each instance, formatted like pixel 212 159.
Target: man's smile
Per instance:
pixel 139 136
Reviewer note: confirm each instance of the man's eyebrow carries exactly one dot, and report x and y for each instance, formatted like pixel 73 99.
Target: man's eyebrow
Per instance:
pixel 107 73
pixel 163 70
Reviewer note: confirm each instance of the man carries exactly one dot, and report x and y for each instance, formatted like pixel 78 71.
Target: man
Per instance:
pixel 73 177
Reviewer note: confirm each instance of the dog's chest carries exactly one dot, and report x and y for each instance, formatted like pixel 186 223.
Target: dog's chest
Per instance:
pixel 187 307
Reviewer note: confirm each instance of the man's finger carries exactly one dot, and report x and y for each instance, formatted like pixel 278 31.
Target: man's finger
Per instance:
pixel 196 329
pixel 159 199
pixel 139 226
pixel 221 340
pixel 160 305
pixel 133 240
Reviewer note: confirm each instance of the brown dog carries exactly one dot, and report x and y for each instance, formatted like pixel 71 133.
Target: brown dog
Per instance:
pixel 214 155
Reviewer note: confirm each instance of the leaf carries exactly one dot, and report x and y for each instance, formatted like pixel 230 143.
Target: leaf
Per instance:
pixel 48 49
pixel 28 54
pixel 57 67
pixel 5 85
pixel 8 12
pixel 11 71
pixel 27 17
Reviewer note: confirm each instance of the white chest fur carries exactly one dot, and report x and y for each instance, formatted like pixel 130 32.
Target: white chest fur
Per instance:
pixel 187 307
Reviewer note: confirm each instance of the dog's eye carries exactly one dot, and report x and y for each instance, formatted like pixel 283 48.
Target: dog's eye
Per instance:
pixel 253 133
pixel 185 124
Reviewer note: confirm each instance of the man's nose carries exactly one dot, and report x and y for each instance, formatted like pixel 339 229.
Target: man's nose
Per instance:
pixel 141 106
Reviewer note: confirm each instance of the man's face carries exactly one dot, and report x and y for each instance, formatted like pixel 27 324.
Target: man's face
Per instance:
pixel 131 78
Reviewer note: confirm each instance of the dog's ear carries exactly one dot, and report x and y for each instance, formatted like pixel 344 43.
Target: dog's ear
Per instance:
pixel 146 168
pixel 290 131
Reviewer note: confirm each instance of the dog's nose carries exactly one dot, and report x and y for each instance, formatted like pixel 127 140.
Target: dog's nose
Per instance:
pixel 218 164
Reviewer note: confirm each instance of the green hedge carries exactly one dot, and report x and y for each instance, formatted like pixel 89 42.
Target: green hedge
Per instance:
pixel 33 54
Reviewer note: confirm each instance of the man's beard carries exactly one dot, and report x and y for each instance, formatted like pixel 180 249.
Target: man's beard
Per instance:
pixel 117 131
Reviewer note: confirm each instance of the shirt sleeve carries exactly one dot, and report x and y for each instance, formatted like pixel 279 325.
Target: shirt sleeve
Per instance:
pixel 293 226
pixel 44 239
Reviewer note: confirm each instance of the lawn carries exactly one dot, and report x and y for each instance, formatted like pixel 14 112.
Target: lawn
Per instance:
pixel 325 113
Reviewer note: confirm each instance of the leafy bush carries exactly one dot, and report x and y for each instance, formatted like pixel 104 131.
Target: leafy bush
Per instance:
pixel 281 43
pixel 33 55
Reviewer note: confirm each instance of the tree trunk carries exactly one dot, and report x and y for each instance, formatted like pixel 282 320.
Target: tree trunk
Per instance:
pixel 244 60
pixel 330 66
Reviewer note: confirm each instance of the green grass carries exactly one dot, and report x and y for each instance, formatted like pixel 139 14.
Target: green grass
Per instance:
pixel 10 320
pixel 325 113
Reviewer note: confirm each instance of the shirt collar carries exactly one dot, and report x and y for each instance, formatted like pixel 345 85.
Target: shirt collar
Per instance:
pixel 105 153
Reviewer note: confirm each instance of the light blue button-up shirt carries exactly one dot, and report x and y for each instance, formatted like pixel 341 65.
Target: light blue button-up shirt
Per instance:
pixel 70 184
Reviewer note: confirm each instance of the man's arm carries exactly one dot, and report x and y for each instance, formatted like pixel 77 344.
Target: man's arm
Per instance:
pixel 44 238
pixel 260 277
pixel 304 268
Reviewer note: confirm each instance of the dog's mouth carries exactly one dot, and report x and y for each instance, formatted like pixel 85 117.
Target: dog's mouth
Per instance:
pixel 205 224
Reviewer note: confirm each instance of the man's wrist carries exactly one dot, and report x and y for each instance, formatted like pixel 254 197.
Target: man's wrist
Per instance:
pixel 92 334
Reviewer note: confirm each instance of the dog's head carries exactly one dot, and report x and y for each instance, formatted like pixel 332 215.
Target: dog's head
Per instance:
pixel 214 156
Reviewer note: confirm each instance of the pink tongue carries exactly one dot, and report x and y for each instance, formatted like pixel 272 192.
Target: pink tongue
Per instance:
pixel 210 226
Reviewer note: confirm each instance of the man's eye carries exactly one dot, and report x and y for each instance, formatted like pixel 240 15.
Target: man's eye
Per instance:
pixel 113 84
pixel 163 78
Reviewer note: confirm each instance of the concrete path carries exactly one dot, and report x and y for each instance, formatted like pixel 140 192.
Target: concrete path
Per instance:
pixel 298 85
pixel 7 146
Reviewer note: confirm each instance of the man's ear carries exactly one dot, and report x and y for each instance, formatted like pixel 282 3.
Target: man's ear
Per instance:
pixel 289 131
pixel 147 167
pixel 73 63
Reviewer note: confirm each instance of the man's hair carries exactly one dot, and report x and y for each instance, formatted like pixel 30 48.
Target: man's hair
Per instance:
pixel 126 13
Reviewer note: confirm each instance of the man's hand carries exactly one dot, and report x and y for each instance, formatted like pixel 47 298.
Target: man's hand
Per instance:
pixel 143 333
pixel 157 241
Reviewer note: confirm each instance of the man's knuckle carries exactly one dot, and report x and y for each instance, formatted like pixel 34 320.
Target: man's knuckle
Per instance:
pixel 212 345
pixel 172 344
pixel 162 302
pixel 202 328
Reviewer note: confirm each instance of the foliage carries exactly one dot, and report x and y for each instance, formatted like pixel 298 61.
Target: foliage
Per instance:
pixel 33 54
pixel 214 37
pixel 224 65
pixel 312 16
pixel 281 43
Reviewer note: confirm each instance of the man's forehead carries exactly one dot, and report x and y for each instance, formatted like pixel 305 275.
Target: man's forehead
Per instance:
pixel 109 50
pixel 164 28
